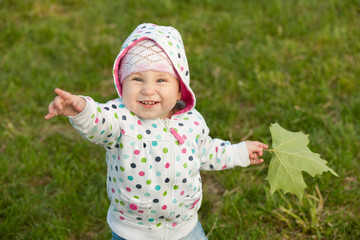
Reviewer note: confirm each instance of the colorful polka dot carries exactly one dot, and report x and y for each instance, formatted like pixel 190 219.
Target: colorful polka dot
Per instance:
pixel 133 206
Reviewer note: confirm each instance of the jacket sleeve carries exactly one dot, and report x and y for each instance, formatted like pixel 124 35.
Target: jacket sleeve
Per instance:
pixel 217 154
pixel 100 123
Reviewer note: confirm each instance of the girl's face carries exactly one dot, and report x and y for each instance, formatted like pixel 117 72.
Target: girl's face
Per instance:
pixel 151 94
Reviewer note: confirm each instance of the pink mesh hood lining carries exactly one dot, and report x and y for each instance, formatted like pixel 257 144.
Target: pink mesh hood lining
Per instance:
pixel 145 56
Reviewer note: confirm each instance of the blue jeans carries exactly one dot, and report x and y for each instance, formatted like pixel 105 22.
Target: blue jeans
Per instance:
pixel 196 234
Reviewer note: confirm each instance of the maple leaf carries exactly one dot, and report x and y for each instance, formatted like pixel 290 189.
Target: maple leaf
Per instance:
pixel 291 156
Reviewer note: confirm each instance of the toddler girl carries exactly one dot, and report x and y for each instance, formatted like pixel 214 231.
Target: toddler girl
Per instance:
pixel 156 141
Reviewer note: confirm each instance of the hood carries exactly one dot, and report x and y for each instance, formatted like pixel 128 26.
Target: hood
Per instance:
pixel 168 39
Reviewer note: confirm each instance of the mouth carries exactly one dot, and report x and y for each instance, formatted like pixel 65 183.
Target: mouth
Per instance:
pixel 148 104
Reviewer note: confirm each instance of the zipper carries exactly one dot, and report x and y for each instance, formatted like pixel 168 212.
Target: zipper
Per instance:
pixel 171 191
pixel 174 132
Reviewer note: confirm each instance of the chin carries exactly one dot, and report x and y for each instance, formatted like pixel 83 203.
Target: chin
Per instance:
pixel 147 116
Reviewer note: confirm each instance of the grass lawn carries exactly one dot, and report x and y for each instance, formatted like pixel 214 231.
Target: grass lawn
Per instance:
pixel 252 63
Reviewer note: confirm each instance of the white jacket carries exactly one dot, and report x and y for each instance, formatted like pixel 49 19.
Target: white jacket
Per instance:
pixel 153 166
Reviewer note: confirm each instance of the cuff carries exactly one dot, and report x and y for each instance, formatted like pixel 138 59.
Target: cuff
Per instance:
pixel 241 155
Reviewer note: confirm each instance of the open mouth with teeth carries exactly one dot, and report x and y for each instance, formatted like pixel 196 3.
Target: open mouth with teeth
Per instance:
pixel 148 103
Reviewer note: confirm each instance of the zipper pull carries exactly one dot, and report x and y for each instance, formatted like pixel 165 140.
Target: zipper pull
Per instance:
pixel 177 136
pixel 174 132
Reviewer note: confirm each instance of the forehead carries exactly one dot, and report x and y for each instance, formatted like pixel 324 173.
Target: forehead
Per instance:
pixel 153 74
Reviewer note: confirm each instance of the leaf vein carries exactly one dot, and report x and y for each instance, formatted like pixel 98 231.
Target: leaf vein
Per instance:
pixel 292 179
pixel 290 140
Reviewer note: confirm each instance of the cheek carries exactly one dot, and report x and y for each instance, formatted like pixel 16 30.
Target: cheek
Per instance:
pixel 127 96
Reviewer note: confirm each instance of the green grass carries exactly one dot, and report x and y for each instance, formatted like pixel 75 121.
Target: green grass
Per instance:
pixel 252 63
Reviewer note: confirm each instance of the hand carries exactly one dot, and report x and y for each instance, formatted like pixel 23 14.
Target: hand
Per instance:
pixel 65 104
pixel 255 150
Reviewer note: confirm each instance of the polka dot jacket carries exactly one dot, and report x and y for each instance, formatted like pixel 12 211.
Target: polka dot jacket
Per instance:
pixel 153 166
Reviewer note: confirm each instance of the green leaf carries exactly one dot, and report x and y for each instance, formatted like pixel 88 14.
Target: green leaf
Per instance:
pixel 291 156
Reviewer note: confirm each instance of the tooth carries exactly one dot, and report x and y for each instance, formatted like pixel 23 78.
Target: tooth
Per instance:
pixel 148 103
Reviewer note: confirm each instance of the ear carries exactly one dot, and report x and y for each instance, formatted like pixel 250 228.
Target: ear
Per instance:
pixel 179 95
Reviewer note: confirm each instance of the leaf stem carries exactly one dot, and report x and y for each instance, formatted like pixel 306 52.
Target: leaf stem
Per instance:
pixel 269 150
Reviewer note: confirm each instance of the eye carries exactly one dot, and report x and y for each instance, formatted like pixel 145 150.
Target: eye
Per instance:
pixel 137 79
pixel 161 80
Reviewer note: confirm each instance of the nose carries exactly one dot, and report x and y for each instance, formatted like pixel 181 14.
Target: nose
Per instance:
pixel 148 89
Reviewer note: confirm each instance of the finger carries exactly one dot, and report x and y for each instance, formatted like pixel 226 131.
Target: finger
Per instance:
pixel 260 147
pixel 58 103
pixel 260 153
pixel 49 116
pixel 253 156
pixel 258 150
pixel 79 104
pixel 51 107
pixel 52 111
pixel 260 144
pixel 62 93
pixel 257 161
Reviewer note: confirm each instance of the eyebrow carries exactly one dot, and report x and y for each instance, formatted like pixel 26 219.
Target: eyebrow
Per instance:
pixel 162 75
pixel 158 74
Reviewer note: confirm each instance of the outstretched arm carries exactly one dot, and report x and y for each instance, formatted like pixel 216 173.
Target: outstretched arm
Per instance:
pixel 65 104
